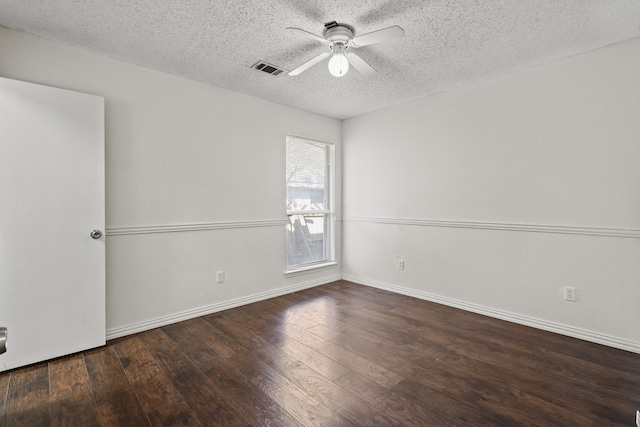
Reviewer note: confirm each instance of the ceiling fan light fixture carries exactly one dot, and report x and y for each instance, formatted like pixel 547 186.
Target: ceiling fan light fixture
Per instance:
pixel 340 37
pixel 338 64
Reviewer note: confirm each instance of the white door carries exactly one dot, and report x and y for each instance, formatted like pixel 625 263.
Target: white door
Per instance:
pixel 52 272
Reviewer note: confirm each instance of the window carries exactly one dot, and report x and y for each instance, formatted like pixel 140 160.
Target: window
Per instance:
pixel 309 203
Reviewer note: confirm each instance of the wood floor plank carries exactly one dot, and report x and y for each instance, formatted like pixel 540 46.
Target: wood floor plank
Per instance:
pixel 159 399
pixel 261 339
pixel 27 401
pixel 72 401
pixel 4 387
pixel 304 407
pixel 28 376
pixel 270 330
pixel 490 337
pixel 297 313
pixel 204 398
pixel 350 360
pixel 258 344
pixel 338 354
pixel 409 411
pixel 458 412
pixel 513 360
pixel 483 327
pixel 220 342
pixel 320 363
pixel 214 337
pixel 344 357
pixel 387 355
pixel 462 384
pixel 330 394
pixel 238 391
pixel 224 321
pixel 115 398
pixel 483 359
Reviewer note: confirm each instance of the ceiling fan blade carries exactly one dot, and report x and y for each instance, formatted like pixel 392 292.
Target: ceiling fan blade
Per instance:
pixel 385 34
pixel 308 34
pixel 310 63
pixel 359 64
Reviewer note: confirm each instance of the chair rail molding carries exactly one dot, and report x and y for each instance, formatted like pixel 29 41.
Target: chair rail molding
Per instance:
pixel 528 228
pixel 179 228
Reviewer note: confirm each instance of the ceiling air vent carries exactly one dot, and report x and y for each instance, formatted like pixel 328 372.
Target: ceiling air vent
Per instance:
pixel 267 68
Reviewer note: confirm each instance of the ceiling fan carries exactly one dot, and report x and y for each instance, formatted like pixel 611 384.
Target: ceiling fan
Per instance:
pixel 340 39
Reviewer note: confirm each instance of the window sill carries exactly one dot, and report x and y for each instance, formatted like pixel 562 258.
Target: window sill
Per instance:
pixel 309 268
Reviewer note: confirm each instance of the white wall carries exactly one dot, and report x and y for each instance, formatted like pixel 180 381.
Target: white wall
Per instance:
pixel 179 153
pixel 496 195
pixel 499 194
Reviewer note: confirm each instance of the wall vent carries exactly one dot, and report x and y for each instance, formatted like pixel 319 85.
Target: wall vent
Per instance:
pixel 267 68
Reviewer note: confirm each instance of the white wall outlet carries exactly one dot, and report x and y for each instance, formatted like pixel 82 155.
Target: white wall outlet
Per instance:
pixel 400 264
pixel 570 293
pixel 638 418
pixel 220 277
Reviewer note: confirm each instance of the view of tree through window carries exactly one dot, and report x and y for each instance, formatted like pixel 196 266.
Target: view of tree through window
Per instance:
pixel 308 202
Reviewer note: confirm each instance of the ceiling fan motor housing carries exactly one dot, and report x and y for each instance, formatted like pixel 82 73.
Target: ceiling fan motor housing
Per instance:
pixel 339 33
pixel 340 37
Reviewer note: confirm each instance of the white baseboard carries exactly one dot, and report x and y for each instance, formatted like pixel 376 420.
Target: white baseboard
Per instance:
pixel 558 328
pixel 545 325
pixel 213 308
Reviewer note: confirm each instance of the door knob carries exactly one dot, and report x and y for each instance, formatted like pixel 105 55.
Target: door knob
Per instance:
pixel 96 234
pixel 3 340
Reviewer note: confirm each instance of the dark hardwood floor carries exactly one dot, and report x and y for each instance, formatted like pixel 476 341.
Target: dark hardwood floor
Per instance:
pixel 336 355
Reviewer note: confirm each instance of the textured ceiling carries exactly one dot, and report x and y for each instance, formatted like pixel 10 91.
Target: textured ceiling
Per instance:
pixel 447 43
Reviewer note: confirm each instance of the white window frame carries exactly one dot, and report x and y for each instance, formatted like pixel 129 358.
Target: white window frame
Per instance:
pixel 328 212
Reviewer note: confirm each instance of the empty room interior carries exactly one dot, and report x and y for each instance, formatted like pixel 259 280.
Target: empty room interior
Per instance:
pixel 320 213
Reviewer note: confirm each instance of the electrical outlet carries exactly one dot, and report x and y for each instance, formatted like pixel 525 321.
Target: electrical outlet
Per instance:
pixel 400 264
pixel 570 293
pixel 220 277
pixel 638 418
